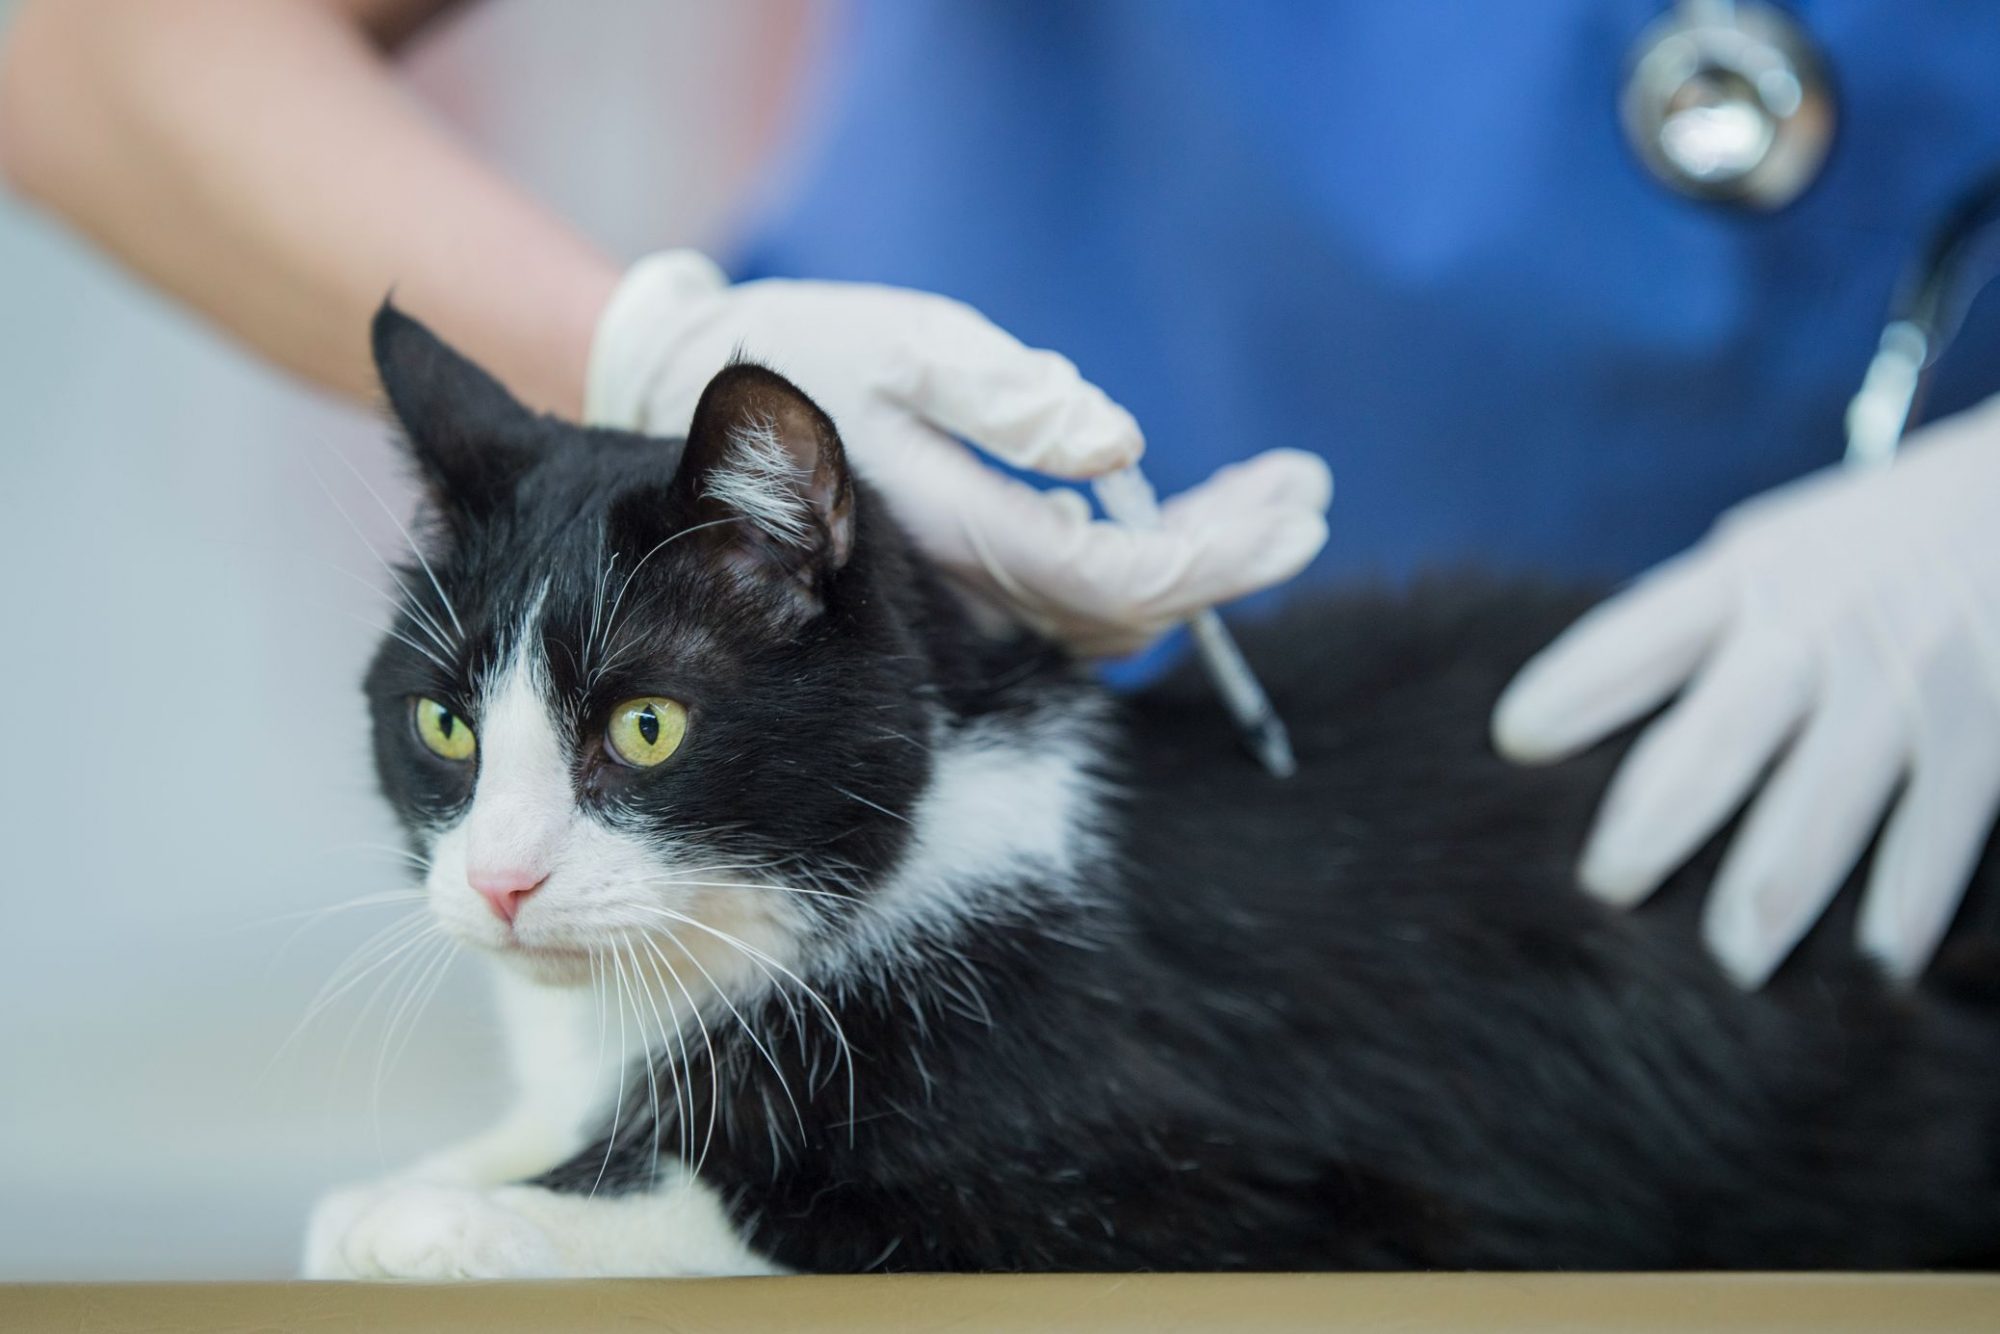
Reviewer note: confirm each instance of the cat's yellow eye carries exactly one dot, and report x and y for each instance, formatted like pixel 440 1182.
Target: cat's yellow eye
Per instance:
pixel 444 732
pixel 643 732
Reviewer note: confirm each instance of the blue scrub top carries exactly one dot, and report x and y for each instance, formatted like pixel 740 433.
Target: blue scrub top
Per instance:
pixel 1407 235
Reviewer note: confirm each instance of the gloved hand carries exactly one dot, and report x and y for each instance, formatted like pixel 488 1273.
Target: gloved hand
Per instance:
pixel 1855 614
pixel 902 373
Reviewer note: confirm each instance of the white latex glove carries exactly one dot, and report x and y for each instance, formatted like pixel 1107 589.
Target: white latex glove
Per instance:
pixel 1855 614
pixel 902 373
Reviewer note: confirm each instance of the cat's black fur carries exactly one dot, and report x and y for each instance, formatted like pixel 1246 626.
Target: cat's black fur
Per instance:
pixel 1355 1019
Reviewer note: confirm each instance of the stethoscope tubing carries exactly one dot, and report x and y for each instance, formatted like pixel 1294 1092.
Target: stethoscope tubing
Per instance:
pixel 1955 263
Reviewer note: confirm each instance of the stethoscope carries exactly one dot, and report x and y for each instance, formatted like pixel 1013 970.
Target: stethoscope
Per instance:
pixel 1729 101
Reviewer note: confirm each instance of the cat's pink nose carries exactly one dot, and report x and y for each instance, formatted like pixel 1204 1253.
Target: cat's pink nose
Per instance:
pixel 505 888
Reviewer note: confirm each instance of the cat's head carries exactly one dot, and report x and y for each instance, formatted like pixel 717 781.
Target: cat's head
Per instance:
pixel 642 687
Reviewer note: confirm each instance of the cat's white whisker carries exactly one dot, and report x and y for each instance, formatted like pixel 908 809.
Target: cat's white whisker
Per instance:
pixel 410 1010
pixel 409 980
pixel 611 618
pixel 685 1076
pixel 724 868
pixel 666 1048
pixel 670 1031
pixel 673 1031
pixel 395 979
pixel 596 616
pixel 414 961
pixel 714 1076
pixel 752 952
pixel 598 973
pixel 748 1030
pixel 435 660
pixel 396 850
pixel 874 806
pixel 417 612
pixel 358 959
pixel 777 986
pixel 403 934
pixel 653 1075
pixel 890 734
pixel 673 882
pixel 618 1098
pixel 311 916
pixel 415 550
pixel 400 637
pixel 431 988
pixel 624 947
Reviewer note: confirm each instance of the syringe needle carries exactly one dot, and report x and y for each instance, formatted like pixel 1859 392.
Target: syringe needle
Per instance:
pixel 1129 499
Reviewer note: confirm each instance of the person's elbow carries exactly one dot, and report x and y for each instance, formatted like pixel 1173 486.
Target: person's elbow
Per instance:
pixel 30 57
pixel 72 72
pixel 50 90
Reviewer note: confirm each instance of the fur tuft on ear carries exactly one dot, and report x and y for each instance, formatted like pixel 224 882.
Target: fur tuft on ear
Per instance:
pixel 761 452
pixel 468 436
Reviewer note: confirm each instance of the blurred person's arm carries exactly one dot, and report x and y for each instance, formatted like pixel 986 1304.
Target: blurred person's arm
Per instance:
pixel 257 159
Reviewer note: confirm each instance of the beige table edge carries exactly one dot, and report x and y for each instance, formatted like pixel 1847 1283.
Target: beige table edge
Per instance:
pixel 1404 1303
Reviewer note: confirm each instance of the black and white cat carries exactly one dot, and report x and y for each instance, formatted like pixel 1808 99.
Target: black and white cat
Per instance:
pixel 925 953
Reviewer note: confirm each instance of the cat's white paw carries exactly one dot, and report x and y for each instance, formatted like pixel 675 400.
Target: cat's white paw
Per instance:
pixel 421 1230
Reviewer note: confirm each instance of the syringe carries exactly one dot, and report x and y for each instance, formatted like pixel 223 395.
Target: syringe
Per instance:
pixel 1129 499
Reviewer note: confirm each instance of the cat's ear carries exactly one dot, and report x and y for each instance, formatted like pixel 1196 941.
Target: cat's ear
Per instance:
pixel 765 466
pixel 470 438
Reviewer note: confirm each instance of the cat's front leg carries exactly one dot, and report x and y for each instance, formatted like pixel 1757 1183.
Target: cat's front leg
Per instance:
pixel 412 1229
pixel 425 1231
pixel 520 1146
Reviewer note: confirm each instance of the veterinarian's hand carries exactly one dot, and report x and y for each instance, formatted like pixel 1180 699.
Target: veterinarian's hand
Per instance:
pixel 906 375
pixel 1855 615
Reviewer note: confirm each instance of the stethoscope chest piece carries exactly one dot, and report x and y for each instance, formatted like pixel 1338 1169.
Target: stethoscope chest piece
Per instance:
pixel 1729 102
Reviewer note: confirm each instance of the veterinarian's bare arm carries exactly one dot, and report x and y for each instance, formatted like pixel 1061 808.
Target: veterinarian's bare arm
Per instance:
pixel 257 159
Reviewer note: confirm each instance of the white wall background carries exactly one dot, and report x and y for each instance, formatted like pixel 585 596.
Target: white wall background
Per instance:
pixel 183 760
